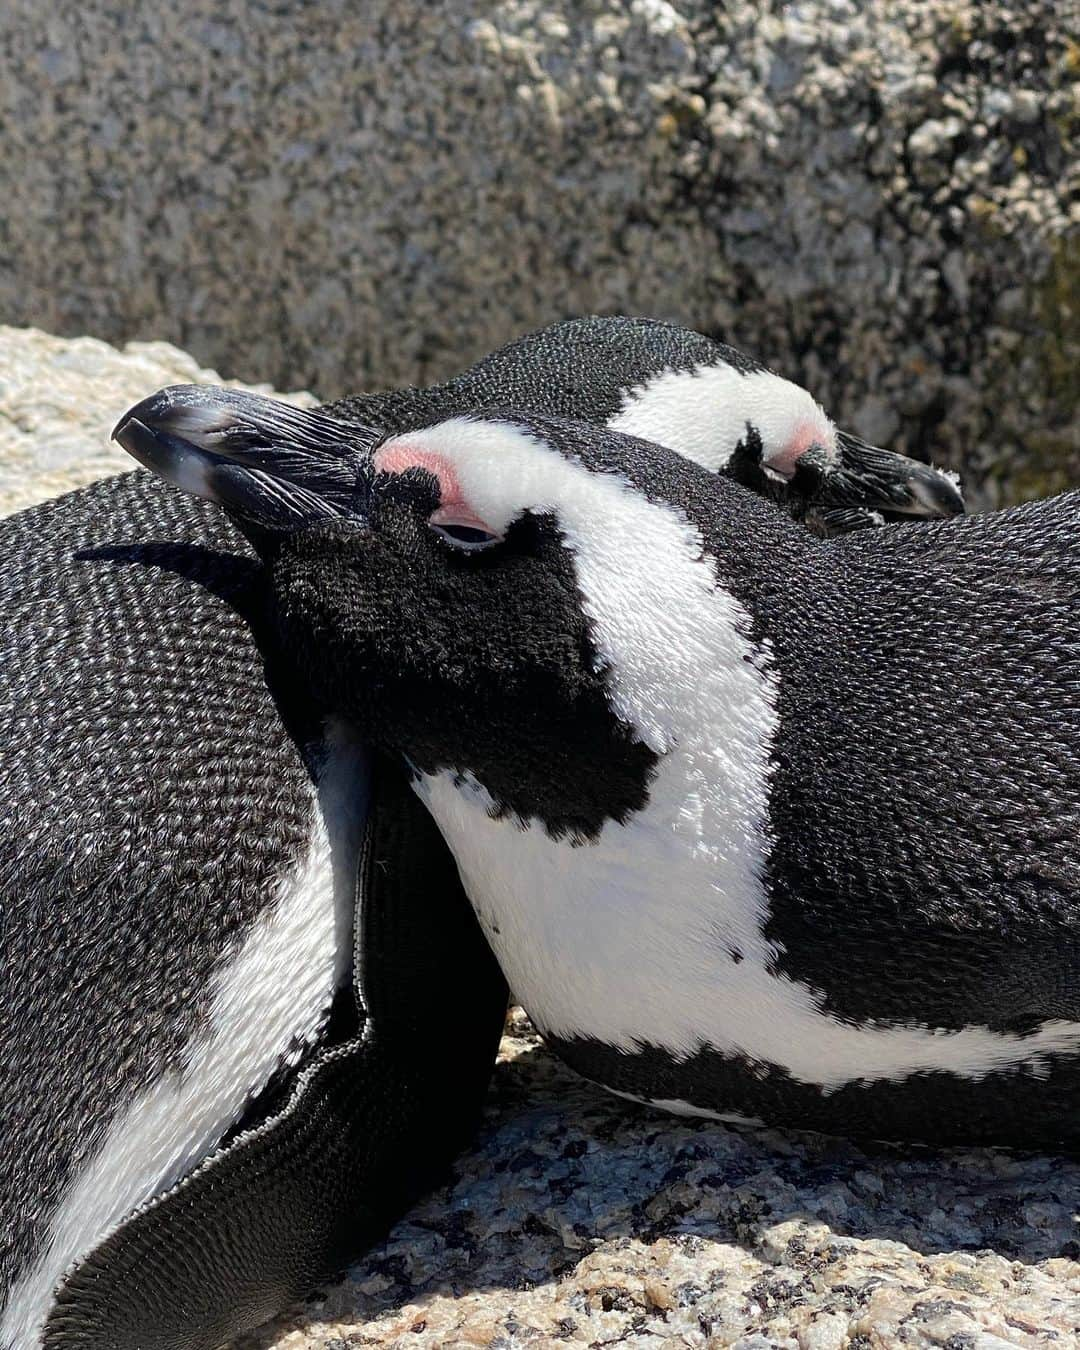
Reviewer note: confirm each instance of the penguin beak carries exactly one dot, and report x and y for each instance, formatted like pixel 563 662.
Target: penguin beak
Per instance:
pixel 881 480
pixel 279 467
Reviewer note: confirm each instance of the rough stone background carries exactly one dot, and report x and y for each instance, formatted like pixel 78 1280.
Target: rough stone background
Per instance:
pixel 879 197
pixel 580 1220
pixel 60 399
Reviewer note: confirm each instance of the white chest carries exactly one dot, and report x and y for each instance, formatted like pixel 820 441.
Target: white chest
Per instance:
pixel 654 935
pixel 623 939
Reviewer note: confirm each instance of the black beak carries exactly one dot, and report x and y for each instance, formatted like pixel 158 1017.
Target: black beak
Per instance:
pixel 880 480
pixel 277 466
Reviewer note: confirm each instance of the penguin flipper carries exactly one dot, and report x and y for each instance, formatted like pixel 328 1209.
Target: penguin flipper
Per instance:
pixel 370 1124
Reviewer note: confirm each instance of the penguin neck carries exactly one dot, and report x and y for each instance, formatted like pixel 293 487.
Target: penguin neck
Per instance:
pixel 577 924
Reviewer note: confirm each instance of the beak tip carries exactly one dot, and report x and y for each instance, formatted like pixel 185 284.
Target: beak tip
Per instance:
pixel 140 442
pixel 938 492
pixel 184 408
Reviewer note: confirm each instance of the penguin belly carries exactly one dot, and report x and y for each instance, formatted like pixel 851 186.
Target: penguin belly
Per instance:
pixel 320 1165
pixel 269 1001
pixel 173 927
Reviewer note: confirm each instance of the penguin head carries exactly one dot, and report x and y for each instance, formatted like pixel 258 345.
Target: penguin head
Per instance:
pixel 492 597
pixel 450 618
pixel 721 408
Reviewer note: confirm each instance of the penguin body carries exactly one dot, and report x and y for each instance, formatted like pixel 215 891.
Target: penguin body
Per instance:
pixel 181 857
pixel 180 845
pixel 757 823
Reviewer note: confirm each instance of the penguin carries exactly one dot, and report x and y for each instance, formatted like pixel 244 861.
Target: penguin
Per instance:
pixel 758 824
pixel 229 934
pixel 189 883
pixel 710 402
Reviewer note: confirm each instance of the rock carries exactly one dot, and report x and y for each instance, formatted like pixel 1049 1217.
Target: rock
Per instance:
pixel 60 399
pixel 577 1219
pixel 878 197
pixel 580 1220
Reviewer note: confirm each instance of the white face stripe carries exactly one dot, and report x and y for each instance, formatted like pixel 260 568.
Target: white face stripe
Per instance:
pixel 627 939
pixel 636 607
pixel 703 414
pixel 270 1001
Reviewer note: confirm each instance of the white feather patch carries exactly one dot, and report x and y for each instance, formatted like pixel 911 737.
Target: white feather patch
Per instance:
pixel 703 415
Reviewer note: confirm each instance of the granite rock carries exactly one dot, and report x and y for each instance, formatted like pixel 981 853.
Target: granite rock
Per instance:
pixel 60 399
pixel 877 196
pixel 578 1219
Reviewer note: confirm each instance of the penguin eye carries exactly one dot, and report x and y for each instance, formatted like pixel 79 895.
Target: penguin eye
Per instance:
pixel 463 531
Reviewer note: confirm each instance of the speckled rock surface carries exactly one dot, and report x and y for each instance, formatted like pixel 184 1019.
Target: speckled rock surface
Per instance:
pixel 580 1220
pixel 60 399
pixel 877 196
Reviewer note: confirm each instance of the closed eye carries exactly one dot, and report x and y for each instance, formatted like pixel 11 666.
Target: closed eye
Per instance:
pixel 465 533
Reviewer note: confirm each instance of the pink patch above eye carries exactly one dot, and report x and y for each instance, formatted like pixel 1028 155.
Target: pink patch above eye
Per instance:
pixel 398 458
pixel 806 434
pixel 453 509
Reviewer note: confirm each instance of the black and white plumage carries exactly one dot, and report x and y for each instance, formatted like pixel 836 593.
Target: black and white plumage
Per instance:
pixel 206 1103
pixel 710 402
pixel 177 830
pixel 756 823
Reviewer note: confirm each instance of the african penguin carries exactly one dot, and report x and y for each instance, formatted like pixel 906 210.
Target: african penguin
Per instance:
pixel 229 932
pixel 710 402
pixel 176 829
pixel 757 824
